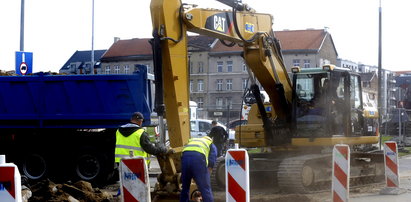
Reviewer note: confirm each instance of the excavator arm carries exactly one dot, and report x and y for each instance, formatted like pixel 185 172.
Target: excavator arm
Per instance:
pixel 261 51
pixel 253 31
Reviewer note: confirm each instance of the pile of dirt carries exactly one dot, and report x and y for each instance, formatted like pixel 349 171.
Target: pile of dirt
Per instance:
pixel 80 191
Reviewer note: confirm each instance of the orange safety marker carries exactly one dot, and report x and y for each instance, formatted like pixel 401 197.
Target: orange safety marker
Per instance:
pixel 134 181
pixel 10 182
pixel 340 185
pixel 237 175
pixel 391 164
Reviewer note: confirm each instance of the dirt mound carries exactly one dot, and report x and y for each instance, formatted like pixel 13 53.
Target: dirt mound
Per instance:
pixel 80 191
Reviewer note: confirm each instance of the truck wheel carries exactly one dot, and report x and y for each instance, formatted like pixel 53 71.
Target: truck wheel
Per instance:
pixel 89 166
pixel 34 166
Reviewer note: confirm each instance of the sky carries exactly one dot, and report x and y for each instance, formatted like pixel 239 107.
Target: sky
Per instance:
pixel 55 29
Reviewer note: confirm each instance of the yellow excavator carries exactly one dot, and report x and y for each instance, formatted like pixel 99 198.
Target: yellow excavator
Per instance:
pixel 295 131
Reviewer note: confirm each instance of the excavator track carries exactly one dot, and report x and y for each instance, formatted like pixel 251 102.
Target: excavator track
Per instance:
pixel 297 176
pixel 218 175
pixel 312 173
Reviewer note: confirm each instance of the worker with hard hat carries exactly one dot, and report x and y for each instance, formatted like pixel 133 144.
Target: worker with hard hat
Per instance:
pixel 197 161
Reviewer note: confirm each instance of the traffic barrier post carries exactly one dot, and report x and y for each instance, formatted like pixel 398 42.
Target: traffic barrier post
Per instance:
pixel 10 181
pixel 340 185
pixel 134 180
pixel 391 164
pixel 237 175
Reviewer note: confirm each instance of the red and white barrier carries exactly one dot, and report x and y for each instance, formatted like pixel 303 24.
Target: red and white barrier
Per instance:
pixel 341 173
pixel 10 182
pixel 391 164
pixel 237 175
pixel 134 181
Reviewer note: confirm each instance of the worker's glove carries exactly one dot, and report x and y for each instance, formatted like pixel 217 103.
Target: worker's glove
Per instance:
pixel 170 151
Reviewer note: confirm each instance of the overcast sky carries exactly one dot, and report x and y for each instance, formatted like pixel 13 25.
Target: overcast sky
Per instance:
pixel 55 29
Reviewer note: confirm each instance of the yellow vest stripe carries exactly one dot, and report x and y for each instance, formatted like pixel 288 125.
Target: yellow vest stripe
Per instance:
pixel 128 147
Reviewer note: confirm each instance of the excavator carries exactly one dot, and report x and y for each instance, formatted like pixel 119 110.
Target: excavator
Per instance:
pixel 308 112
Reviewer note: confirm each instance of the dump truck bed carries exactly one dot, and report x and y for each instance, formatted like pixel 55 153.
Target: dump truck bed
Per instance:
pixel 73 101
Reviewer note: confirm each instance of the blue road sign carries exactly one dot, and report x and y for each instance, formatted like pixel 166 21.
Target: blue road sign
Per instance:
pixel 24 63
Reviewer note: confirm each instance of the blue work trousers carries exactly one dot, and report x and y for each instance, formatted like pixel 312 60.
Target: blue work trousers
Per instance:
pixel 193 166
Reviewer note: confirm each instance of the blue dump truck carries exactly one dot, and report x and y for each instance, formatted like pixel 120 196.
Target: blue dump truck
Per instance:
pixel 63 126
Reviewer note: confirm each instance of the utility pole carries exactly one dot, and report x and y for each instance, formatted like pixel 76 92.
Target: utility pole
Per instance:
pixel 379 72
pixel 22 26
pixel 92 39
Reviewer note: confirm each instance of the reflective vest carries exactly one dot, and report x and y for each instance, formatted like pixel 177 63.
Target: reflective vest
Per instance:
pixel 131 143
pixel 201 145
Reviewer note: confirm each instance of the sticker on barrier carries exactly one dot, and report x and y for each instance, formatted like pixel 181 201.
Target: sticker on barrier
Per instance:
pixel 340 173
pixel 391 164
pixel 237 175
pixel 134 181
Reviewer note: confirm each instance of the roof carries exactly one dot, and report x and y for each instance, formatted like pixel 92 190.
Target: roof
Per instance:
pixel 141 47
pixel 82 57
pixel 200 42
pixel 220 47
pixel 129 47
pixel 367 76
pixel 310 39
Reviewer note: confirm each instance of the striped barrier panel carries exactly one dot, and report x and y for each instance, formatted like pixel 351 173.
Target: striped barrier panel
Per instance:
pixel 134 181
pixel 237 176
pixel 391 164
pixel 10 182
pixel 340 185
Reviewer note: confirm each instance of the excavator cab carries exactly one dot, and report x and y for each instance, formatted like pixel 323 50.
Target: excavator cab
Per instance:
pixel 327 102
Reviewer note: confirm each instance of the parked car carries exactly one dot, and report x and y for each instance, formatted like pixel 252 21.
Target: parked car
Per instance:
pixel 202 127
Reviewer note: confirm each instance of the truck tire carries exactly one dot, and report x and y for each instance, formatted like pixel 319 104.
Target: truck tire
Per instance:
pixel 91 167
pixel 34 166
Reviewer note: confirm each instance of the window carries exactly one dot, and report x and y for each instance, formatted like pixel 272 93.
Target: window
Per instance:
pixel 219 103
pixel 149 69
pixel 229 84
pixel 229 66
pixel 228 102
pixel 191 67
pixel 219 66
pixel 219 84
pixel 245 82
pixel 306 63
pixel 126 69
pixel 191 86
pixel 107 69
pixel 296 62
pixel 200 85
pixel 200 102
pixel 244 67
pixel 117 69
pixel 200 67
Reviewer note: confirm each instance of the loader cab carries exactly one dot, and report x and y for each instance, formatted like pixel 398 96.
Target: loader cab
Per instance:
pixel 327 102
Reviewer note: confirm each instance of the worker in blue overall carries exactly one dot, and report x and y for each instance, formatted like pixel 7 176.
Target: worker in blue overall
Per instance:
pixel 197 162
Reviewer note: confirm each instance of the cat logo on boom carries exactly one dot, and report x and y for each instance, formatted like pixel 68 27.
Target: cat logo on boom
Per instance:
pixel 219 23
